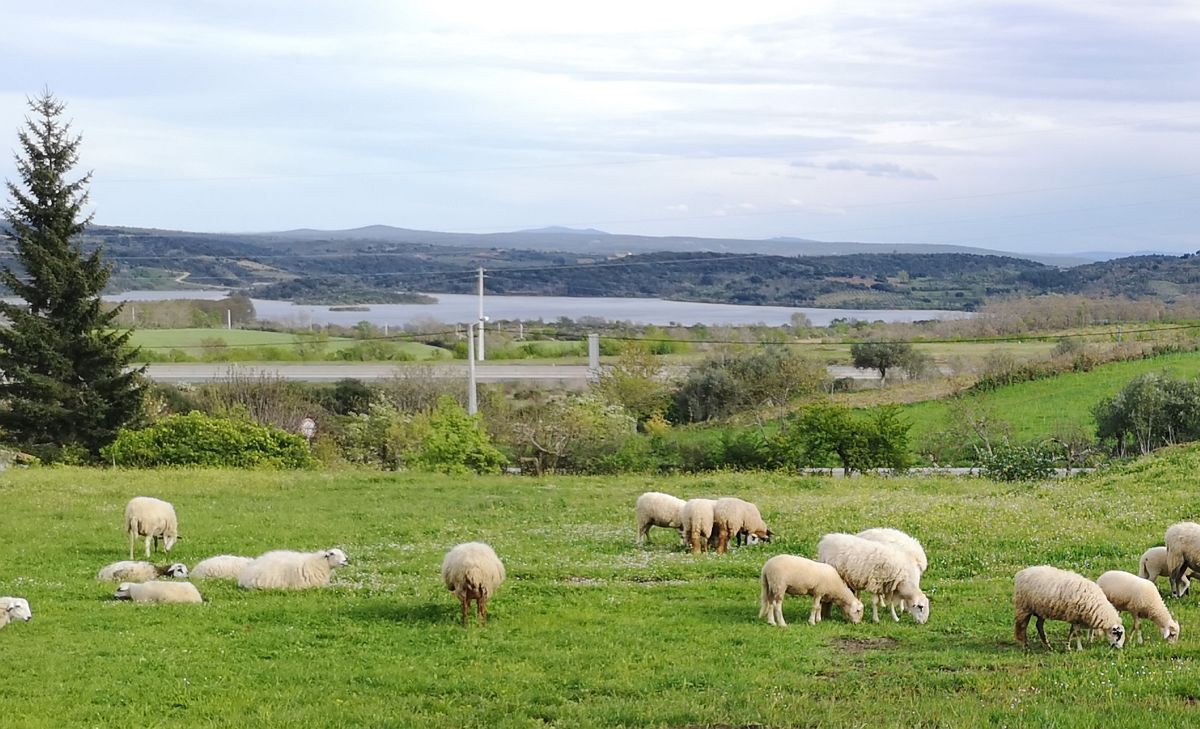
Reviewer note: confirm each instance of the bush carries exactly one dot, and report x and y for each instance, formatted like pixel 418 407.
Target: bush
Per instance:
pixel 196 439
pixel 728 383
pixel 1149 412
pixel 457 443
pixel 825 435
pixel 1011 462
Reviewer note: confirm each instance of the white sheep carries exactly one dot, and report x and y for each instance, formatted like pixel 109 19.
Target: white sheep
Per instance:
pixel 221 567
pixel 656 509
pixel 733 517
pixel 1139 597
pixel 1183 554
pixel 128 571
pixel 697 519
pixel 284 570
pixel 1048 593
pixel 906 544
pixel 1153 564
pixel 880 569
pixel 153 519
pixel 787 574
pixel 158 591
pixel 472 571
pixel 14 608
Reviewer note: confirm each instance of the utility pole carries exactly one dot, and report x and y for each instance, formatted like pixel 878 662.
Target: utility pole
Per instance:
pixel 482 318
pixel 472 398
pixel 229 318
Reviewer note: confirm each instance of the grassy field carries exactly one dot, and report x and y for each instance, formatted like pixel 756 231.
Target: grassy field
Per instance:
pixel 589 630
pixel 191 341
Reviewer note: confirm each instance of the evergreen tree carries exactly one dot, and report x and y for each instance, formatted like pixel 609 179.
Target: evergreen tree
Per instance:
pixel 65 391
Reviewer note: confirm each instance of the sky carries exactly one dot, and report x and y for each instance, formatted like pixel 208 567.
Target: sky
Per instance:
pixel 1050 127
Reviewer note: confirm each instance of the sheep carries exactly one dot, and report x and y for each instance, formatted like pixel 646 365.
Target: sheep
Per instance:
pixel 153 519
pixel 222 567
pixel 1049 593
pixel 14 608
pixel 787 574
pixel 880 569
pixel 157 591
pixel 1139 597
pixel 283 570
pixel 127 571
pixel 1183 554
pixel 697 519
pixel 905 544
pixel 657 509
pixel 472 571
pixel 738 518
pixel 1153 564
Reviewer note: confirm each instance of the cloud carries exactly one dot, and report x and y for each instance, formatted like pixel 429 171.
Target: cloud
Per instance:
pixel 872 169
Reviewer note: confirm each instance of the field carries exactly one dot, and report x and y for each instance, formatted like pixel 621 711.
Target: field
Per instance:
pixel 589 630
pixel 192 341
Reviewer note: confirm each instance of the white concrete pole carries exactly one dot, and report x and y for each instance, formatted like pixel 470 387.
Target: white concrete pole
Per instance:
pixel 472 398
pixel 593 345
pixel 481 319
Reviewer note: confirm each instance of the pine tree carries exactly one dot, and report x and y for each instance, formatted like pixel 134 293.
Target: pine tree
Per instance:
pixel 65 390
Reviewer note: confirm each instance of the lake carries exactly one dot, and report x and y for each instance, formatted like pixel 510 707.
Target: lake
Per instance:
pixel 455 308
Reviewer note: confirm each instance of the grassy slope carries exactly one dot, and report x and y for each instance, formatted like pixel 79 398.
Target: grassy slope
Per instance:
pixel 589 630
pixel 190 340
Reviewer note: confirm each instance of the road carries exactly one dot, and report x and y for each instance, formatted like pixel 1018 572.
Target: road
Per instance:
pixel 183 373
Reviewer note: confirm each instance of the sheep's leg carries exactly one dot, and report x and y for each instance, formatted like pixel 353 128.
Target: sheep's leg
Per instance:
pixel 814 616
pixel 643 533
pixel 1073 635
pixel 694 542
pixel 722 540
pixel 892 607
pixel 466 608
pixel 1041 630
pixel 1137 628
pixel 481 603
pixel 826 608
pixel 132 541
pixel 1021 628
pixel 874 608
pixel 149 545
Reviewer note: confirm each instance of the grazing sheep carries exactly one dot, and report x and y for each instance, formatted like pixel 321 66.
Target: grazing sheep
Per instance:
pixel 906 544
pixel 786 574
pixel 1183 554
pixel 1153 565
pixel 737 518
pixel 283 570
pixel 153 519
pixel 880 569
pixel 1139 597
pixel 472 571
pixel 158 592
pixel 14 608
pixel 1048 593
pixel 697 519
pixel 657 509
pixel 222 567
pixel 127 571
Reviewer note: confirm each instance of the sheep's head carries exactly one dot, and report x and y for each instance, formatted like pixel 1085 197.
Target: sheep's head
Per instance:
pixel 122 592
pixel 1171 632
pixel 18 609
pixel 169 541
pixel 918 607
pixel 336 557
pixel 1116 636
pixel 177 570
pixel 1184 584
pixel 854 610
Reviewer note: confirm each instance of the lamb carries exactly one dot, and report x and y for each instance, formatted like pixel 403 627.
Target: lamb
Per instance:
pixel 906 544
pixel 735 517
pixel 157 591
pixel 127 571
pixel 1049 593
pixel 153 519
pixel 283 570
pixel 222 567
pixel 880 569
pixel 697 519
pixel 1183 554
pixel 1153 565
pixel 1139 597
pixel 472 571
pixel 657 509
pixel 786 574
pixel 14 608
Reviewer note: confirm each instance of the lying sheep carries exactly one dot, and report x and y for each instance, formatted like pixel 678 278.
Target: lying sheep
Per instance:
pixel 1153 564
pixel 1139 597
pixel 222 567
pixel 1183 554
pixel 737 518
pixel 153 519
pixel 697 519
pixel 880 569
pixel 786 574
pixel 158 592
pixel 283 570
pixel 657 509
pixel 127 571
pixel 14 608
pixel 1049 593
pixel 472 571
pixel 906 544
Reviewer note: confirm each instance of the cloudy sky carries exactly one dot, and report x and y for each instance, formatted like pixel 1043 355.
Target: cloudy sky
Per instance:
pixel 1042 126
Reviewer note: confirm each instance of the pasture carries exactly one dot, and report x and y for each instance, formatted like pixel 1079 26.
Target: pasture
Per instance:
pixel 588 630
pixel 200 341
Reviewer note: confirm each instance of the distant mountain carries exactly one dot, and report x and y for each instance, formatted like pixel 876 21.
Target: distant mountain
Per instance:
pixel 559 229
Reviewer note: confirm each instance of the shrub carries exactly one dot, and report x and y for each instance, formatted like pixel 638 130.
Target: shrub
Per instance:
pixel 728 383
pixel 457 443
pixel 824 434
pixel 1012 462
pixel 1149 412
pixel 196 439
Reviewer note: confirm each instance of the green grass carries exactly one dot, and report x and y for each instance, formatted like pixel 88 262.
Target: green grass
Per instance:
pixel 589 630
pixel 190 341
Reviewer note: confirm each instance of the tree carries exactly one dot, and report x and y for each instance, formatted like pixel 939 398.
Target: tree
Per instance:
pixel 635 382
pixel 66 389
pixel 881 356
